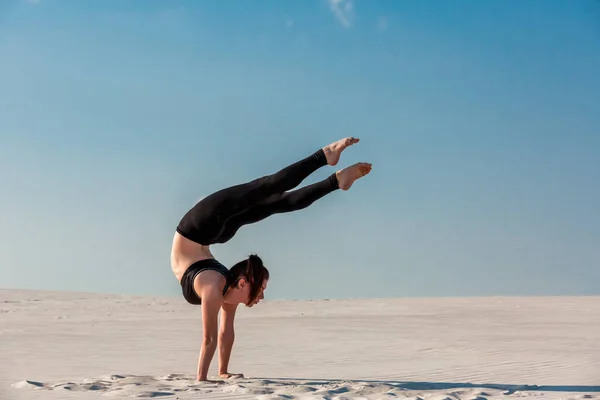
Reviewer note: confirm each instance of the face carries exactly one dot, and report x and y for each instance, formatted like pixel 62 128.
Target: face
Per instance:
pixel 259 296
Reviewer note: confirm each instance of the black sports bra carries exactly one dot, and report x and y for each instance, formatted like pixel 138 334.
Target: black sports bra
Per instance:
pixel 187 280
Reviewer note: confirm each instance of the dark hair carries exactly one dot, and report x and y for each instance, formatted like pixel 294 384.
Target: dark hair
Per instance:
pixel 253 270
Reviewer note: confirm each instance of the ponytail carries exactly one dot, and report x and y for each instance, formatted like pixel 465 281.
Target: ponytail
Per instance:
pixel 253 270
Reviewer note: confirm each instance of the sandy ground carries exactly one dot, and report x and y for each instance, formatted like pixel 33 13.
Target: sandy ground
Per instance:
pixel 60 345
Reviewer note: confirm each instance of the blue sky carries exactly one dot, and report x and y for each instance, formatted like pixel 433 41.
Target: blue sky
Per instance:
pixel 481 119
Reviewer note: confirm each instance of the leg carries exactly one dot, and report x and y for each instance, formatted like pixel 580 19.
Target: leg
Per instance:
pixel 236 199
pixel 205 221
pixel 239 198
pixel 279 203
pixel 293 201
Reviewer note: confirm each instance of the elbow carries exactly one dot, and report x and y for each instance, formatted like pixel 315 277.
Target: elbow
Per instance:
pixel 209 340
pixel 226 336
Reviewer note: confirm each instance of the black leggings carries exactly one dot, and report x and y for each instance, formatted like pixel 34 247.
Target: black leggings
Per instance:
pixel 216 218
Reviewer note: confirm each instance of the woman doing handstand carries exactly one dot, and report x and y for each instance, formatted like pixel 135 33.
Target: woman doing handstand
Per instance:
pixel 216 218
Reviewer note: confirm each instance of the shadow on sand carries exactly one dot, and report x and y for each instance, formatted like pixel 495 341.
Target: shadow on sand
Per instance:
pixel 508 388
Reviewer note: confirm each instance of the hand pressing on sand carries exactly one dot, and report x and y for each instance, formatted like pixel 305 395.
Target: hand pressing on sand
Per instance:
pixel 200 379
pixel 227 375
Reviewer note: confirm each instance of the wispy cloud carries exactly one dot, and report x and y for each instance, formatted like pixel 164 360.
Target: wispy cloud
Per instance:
pixel 343 11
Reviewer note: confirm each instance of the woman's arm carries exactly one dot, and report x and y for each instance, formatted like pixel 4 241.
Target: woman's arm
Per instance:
pixel 211 302
pixel 226 338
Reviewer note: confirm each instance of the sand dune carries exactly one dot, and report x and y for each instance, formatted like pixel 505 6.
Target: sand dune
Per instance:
pixel 59 345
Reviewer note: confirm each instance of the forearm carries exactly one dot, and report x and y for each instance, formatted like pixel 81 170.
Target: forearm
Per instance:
pixel 207 351
pixel 225 346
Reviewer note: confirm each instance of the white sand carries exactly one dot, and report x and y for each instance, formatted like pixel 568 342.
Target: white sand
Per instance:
pixel 78 346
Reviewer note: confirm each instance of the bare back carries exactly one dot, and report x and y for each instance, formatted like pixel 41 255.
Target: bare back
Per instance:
pixel 184 253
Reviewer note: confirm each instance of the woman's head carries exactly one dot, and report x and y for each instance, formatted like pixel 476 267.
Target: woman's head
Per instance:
pixel 249 278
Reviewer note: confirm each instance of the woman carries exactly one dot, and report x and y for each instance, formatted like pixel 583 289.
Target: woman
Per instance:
pixel 216 219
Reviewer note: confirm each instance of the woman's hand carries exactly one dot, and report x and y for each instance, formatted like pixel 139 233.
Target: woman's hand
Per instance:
pixel 201 379
pixel 227 375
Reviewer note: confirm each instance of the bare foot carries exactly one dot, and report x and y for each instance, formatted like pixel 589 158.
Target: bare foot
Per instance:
pixel 348 175
pixel 333 151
